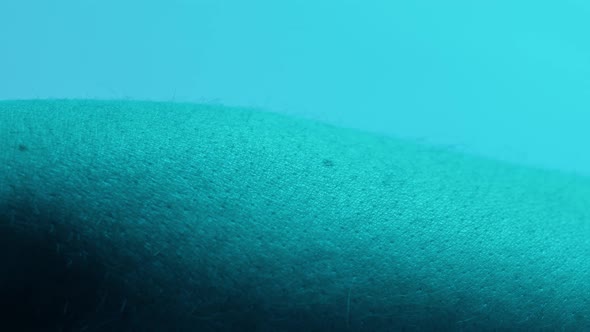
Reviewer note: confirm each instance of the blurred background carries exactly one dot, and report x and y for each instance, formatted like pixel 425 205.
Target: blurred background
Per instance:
pixel 504 79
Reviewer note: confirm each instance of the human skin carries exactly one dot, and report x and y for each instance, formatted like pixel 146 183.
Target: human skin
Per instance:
pixel 142 216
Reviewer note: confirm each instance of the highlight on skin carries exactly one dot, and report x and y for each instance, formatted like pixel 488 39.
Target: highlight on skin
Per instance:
pixel 150 216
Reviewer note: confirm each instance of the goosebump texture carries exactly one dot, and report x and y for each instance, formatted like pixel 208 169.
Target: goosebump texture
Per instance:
pixel 149 216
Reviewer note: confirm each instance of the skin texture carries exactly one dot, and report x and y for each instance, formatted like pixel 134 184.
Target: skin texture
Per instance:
pixel 141 216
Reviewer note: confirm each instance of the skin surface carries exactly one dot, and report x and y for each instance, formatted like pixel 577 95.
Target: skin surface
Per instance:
pixel 141 216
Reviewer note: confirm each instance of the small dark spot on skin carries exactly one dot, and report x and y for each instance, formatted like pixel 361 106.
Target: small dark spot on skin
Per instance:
pixel 328 163
pixel 22 147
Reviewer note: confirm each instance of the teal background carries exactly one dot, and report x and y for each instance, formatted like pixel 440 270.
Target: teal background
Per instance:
pixel 505 79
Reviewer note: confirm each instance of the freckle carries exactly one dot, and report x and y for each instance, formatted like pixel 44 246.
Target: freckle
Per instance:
pixel 22 147
pixel 328 162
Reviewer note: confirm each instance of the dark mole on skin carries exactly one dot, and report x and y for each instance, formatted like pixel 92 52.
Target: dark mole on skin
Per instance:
pixel 328 163
pixel 22 147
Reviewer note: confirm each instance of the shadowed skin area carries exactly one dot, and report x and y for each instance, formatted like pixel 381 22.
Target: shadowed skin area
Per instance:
pixel 145 216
